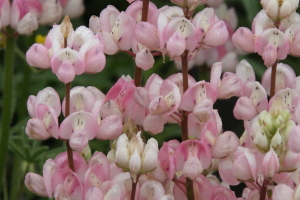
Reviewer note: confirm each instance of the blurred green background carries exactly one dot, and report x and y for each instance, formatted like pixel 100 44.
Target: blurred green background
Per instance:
pixel 27 155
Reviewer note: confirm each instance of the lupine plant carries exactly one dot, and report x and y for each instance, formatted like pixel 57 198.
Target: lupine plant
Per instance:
pixel 199 159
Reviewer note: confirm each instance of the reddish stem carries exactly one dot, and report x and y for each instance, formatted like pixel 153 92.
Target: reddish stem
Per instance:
pixel 264 188
pixel 67 113
pixel 184 122
pixel 137 70
pixel 133 190
pixel 130 53
pixel 184 126
pixel 156 54
pixel 273 80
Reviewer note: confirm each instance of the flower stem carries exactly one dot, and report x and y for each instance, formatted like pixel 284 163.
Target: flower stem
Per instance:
pixel 184 127
pixel 7 98
pixel 264 187
pixel 133 190
pixel 273 79
pixel 137 70
pixel 189 189
pixel 184 122
pixel 67 111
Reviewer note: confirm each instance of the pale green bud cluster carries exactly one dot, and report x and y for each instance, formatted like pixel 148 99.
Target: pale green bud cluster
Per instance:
pixel 273 131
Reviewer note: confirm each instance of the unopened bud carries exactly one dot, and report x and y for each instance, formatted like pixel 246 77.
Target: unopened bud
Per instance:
pixel 66 26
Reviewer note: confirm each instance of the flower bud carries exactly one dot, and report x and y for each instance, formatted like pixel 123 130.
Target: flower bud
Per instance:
pixel 35 183
pixel 66 27
pixel 261 140
pixel 244 166
pixel 270 164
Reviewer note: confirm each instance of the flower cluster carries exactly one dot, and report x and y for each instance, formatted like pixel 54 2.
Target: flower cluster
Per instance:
pixel 267 153
pixel 167 31
pixel 25 15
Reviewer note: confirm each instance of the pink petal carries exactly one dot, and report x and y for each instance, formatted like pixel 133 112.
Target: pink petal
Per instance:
pixel 49 170
pixel 80 99
pixel 176 45
pixel 243 39
pixel 245 71
pixel 196 93
pixel 244 109
pixel 35 129
pixel 215 74
pixel 94 60
pixel 285 76
pixel 155 123
pixel 122 31
pixel 35 183
pixel 230 86
pixel 50 97
pixel 216 35
pixel 73 57
pixel 225 145
pixel 94 23
pixel 269 55
pixel 38 56
pixel 110 45
pixel 226 171
pixel 135 9
pixel 146 34
pixel 93 193
pixel 95 176
pixel 294 139
pixel 192 168
pixel 282 192
pixel 70 181
pixel 80 164
pixel 167 160
pixel 107 18
pixel 110 128
pixel 182 29
pixel 192 148
pixel 76 121
pixel 270 164
pixel 78 140
pixel 144 59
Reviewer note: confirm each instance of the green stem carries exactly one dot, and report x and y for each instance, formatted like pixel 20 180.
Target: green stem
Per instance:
pixel 5 192
pixel 7 98
pixel 22 181
pixel 24 92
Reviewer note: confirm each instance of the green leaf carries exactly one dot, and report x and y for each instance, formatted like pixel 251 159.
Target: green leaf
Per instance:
pixel 19 126
pixel 17 149
pixel 252 8
pixel 39 153
pixel 54 152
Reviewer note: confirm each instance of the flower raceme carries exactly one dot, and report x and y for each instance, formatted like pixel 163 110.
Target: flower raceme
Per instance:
pixel 170 32
pixel 25 15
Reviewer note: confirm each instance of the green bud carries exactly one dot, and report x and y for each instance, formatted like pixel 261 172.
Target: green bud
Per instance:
pixel 261 141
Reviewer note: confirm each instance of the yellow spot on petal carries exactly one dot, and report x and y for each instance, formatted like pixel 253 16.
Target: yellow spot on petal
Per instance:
pixel 40 39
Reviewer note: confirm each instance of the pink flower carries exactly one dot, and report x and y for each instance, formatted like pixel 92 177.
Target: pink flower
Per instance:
pixel 44 110
pixel 192 157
